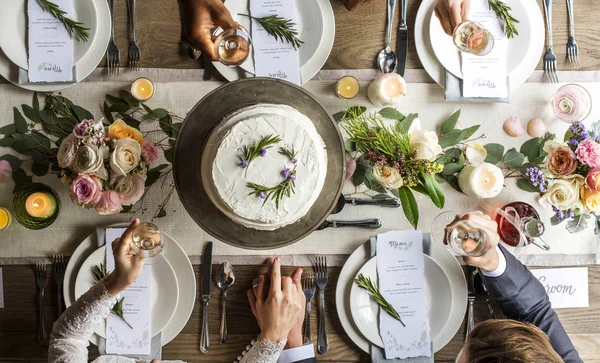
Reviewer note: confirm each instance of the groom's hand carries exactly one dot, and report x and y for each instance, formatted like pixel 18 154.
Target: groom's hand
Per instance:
pixel 451 13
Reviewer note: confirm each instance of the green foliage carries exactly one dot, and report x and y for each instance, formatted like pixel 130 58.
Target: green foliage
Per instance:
pixel 373 291
pixel 279 28
pixel 494 153
pixel 513 159
pixel 409 206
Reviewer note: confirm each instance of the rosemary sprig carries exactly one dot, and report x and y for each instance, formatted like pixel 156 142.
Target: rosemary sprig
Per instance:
pixel 503 12
pixel 259 148
pixel 284 189
pixel 367 284
pixel 72 26
pixel 291 153
pixel 99 272
pixel 280 28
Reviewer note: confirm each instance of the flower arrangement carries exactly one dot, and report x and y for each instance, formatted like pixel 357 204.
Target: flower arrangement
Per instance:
pixel 106 162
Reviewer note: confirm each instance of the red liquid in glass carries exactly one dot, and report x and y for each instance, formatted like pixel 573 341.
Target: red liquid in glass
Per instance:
pixel 509 233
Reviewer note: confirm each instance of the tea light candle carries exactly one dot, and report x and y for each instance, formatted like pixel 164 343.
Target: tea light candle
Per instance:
pixel 347 87
pixel 482 180
pixel 142 89
pixel 39 205
pixel 387 90
pixel 5 218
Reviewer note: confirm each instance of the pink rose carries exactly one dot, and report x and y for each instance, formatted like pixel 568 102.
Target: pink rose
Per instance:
pixel 109 203
pixel 592 180
pixel 130 188
pixel 149 152
pixel 66 151
pixel 85 190
pixel 5 171
pixel 588 152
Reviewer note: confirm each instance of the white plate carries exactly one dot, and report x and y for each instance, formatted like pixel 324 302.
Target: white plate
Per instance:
pixel 13 27
pixel 316 27
pixel 447 262
pixel 437 52
pixel 165 290
pixel 177 258
pixel 83 68
pixel 438 296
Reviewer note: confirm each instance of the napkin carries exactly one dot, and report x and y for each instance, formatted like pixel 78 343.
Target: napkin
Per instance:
pixel 272 57
pixel 49 44
pixel 377 354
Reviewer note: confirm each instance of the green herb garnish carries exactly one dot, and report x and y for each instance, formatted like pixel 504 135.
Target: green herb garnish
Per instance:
pixel 277 192
pixel 280 28
pixel 72 26
pixel 373 291
pixel 291 153
pixel 503 12
pixel 259 148
pixel 99 272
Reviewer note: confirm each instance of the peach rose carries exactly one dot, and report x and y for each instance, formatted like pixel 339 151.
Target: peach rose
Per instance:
pixel 592 180
pixel 120 130
pixel 590 200
pixel 561 160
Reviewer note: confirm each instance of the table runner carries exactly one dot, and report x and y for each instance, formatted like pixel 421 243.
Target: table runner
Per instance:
pixel 74 224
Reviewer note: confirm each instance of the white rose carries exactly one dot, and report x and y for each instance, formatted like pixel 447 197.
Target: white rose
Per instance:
pixel 66 151
pixel 126 156
pixel 88 160
pixel 130 188
pixel 563 193
pixel 425 144
pixel 388 177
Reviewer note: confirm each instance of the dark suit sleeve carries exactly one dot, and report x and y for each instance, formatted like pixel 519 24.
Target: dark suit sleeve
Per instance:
pixel 522 297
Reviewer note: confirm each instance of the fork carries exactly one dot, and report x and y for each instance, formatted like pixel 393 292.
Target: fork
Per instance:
pixel 321 281
pixel 42 281
pixel 572 49
pixel 112 54
pixel 58 268
pixel 134 50
pixel 308 285
pixel 549 57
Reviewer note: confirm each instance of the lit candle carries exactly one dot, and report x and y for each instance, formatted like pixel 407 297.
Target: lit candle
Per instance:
pixel 483 180
pixel 347 87
pixel 142 89
pixel 5 218
pixel 40 205
pixel 387 90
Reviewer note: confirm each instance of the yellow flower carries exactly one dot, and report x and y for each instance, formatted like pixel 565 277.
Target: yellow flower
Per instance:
pixel 590 200
pixel 120 130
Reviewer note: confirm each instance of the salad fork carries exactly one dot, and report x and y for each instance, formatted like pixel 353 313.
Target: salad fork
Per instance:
pixel 112 53
pixel 308 285
pixel 58 268
pixel 549 57
pixel 572 49
pixel 42 281
pixel 134 50
pixel 321 281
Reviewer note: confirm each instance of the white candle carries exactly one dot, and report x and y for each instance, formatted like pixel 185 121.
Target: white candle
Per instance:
pixel 387 90
pixel 142 89
pixel 482 180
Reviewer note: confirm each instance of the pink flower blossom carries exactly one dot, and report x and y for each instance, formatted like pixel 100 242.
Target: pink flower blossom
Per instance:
pixel 588 152
pixel 85 190
pixel 149 152
pixel 5 171
pixel 109 203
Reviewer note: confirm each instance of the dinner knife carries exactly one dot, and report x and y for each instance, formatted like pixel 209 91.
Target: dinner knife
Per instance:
pixel 208 67
pixel 206 287
pixel 402 48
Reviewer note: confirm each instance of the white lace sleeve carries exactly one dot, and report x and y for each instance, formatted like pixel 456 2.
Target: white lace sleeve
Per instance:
pixel 70 334
pixel 262 351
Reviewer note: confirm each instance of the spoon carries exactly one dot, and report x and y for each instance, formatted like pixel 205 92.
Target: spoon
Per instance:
pixel 225 278
pixel 389 202
pixel 386 60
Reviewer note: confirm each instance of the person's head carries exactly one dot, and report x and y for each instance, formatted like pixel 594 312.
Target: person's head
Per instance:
pixel 507 341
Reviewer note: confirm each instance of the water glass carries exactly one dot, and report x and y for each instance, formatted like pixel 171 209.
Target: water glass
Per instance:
pixel 464 237
pixel 147 241
pixel 232 46
pixel 472 37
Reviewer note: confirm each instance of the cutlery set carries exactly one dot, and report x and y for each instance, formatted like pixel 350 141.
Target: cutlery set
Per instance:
pixel 112 53
pixel 550 68
pixel 310 283
pixel 387 60
pixel 476 288
pixel 59 266
pixel 372 223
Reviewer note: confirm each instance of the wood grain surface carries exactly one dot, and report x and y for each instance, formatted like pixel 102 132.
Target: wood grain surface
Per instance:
pixel 359 35
pixel 18 322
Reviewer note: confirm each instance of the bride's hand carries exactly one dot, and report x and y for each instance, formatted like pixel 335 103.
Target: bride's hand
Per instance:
pixel 451 13
pixel 128 264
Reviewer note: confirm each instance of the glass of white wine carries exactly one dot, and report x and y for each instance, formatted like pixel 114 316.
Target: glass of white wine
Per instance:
pixel 471 37
pixel 232 46
pixel 147 241
pixel 463 237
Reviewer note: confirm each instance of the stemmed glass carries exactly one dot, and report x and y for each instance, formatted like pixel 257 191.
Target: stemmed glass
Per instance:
pixel 464 237
pixel 147 241
pixel 232 46
pixel 571 103
pixel 471 37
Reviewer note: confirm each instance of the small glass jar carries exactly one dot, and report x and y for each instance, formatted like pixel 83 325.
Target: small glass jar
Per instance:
pixel 5 218
pixel 347 87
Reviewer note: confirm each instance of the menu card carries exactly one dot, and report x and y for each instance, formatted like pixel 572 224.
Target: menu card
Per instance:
pixel 120 338
pixel 485 76
pixel 272 57
pixel 50 46
pixel 400 269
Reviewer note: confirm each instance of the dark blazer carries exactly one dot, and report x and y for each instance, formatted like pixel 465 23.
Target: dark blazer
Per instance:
pixel 522 297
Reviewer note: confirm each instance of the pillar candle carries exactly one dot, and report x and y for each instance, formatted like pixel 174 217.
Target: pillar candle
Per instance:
pixel 387 90
pixel 483 180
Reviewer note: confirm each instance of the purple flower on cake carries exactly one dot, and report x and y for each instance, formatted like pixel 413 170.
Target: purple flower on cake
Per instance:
pixel 109 203
pixel 292 177
pixel 294 160
pixel 244 163
pixel 85 190
pixel 262 195
pixel 588 152
pixel 149 152
pixel 286 173
pixel 130 188
pixel 263 152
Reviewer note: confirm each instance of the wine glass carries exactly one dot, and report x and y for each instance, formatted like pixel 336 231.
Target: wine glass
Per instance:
pixel 232 46
pixel 571 103
pixel 147 241
pixel 472 37
pixel 464 237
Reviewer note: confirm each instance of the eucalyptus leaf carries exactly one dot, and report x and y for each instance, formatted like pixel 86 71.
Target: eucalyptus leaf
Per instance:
pixel 453 182
pixel 380 196
pixel 468 132
pixel 81 113
pixel 35 102
pixel 531 148
pixel 450 139
pixel 130 120
pixel 390 112
pixel 450 156
pixel 350 146
pixel 160 113
pixel 513 159
pixel 339 116
pixel 129 99
pixel 579 223
pixel 7 142
pixel 31 114
pixel 161 213
pixel 20 123
pixel 148 109
pixel 41 139
pixel 526 185
pixel 568 135
pixel 113 100
pixel 409 206
pixel 39 169
pixel 107 113
pixel 452 168
pixel 119 107
pixel 8 129
pixel 555 221
pixel 169 155
pixel 450 123
pixel 359 175
pixel 408 120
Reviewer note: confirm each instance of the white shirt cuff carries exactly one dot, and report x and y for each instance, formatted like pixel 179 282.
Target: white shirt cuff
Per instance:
pixel 297 354
pixel 501 265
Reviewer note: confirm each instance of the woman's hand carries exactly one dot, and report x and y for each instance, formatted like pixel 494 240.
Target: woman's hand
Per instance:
pixel 198 20
pixel 128 264
pixel 451 13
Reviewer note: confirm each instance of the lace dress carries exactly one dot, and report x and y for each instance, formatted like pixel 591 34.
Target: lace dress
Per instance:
pixel 70 333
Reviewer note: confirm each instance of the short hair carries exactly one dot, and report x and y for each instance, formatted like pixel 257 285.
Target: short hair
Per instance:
pixel 509 341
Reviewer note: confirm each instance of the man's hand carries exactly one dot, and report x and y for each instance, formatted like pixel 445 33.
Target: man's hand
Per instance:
pixel 451 13
pixel 489 261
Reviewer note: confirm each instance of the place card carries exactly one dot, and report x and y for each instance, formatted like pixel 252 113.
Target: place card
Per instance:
pixel 274 58
pixel 1 290
pixel 400 268
pixel 120 338
pixel 566 287
pixel 49 44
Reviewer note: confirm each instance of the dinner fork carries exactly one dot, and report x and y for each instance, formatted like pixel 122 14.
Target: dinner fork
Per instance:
pixel 321 281
pixel 58 268
pixel 134 50
pixel 549 57
pixel 42 281
pixel 112 53
pixel 308 284
pixel 572 49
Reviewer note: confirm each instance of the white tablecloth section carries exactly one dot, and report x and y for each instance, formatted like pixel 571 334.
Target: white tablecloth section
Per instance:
pixel 19 245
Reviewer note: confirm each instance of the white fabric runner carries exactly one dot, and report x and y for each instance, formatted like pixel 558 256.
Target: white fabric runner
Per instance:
pixel 74 224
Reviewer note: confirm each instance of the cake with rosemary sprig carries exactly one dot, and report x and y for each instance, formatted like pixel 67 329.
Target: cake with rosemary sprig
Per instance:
pixel 270 166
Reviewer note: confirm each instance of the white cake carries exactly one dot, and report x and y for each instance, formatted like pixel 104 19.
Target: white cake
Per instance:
pixel 244 128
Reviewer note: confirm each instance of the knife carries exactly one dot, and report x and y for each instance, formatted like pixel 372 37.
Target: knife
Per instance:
pixel 208 67
pixel 206 287
pixel 402 48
